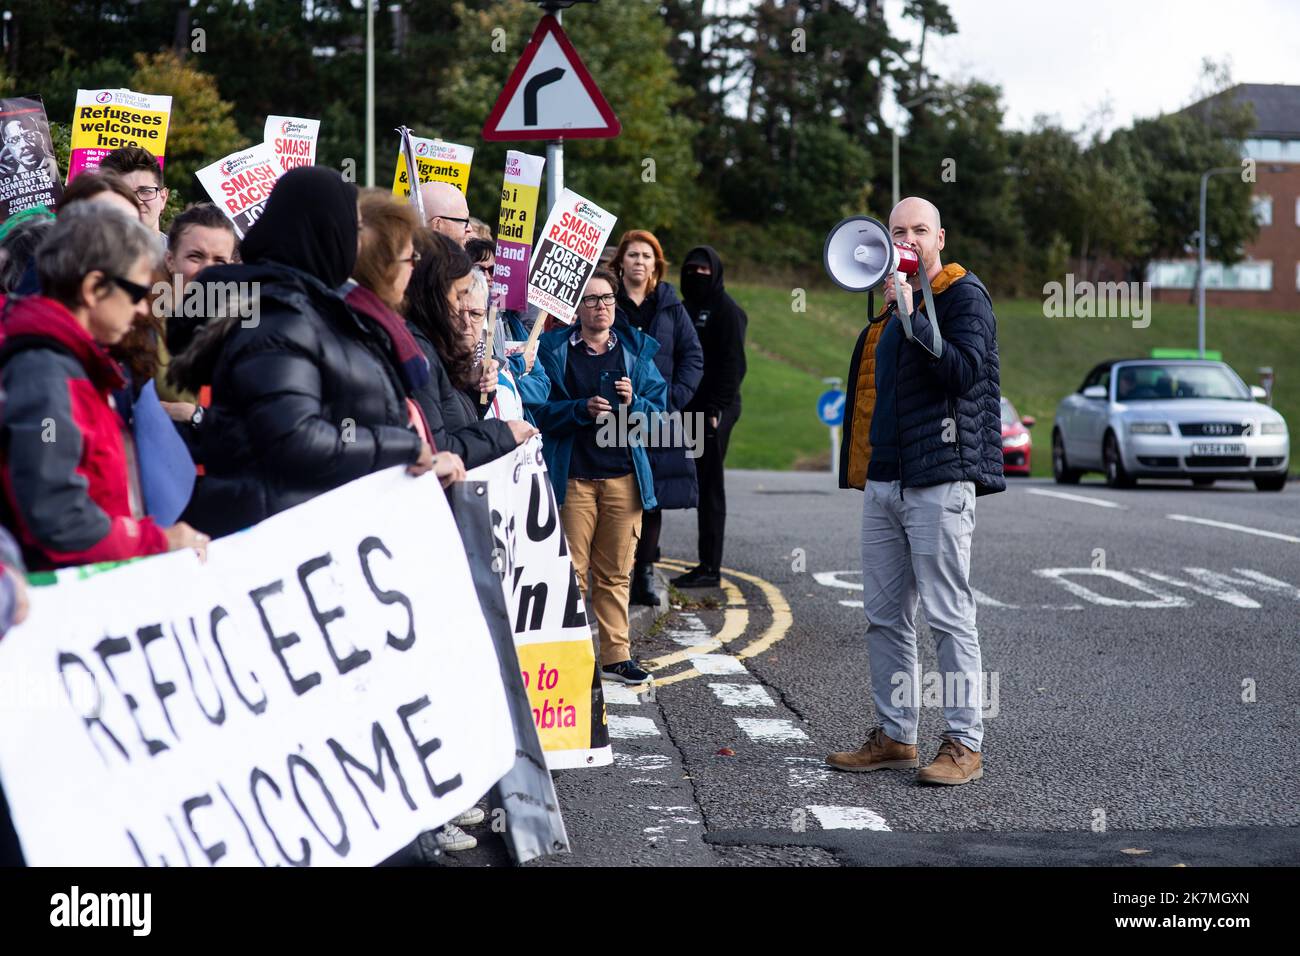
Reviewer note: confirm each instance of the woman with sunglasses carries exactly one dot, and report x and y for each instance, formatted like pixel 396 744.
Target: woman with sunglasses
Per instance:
pixel 67 494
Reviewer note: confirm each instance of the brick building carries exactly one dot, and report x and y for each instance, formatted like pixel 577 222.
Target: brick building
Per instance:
pixel 1269 275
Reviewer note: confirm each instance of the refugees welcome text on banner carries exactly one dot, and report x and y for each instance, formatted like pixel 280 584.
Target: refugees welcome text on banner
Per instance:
pixel 319 693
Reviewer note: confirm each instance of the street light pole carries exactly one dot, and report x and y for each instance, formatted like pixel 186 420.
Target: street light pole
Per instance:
pixel 1200 260
pixel 370 92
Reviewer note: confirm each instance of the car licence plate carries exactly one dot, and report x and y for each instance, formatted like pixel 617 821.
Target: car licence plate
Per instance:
pixel 1219 449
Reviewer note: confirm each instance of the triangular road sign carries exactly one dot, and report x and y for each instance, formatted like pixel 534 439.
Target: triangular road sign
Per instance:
pixel 550 94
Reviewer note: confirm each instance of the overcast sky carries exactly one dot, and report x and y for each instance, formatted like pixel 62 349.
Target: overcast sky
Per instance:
pixel 1143 56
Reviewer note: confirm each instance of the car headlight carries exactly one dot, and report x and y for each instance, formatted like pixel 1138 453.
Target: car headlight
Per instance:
pixel 1273 428
pixel 1148 428
pixel 1015 441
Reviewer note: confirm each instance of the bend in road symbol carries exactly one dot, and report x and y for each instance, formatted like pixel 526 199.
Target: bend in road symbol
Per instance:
pixel 533 87
pixel 830 407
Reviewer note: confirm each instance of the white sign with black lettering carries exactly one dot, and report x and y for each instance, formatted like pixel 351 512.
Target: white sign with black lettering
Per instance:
pixel 319 693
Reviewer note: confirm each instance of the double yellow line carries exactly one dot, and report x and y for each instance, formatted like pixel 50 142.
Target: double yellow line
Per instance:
pixel 735 622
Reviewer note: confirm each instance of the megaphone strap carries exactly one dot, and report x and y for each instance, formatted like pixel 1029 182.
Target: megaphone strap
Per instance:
pixel 936 345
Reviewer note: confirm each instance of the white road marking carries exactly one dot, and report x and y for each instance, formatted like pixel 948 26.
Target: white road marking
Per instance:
pixel 770 730
pixel 1160 599
pixel 1228 595
pixel 984 600
pixel 835 579
pixel 643 763
pixel 1228 526
pixel 831 579
pixel 807 773
pixel 1099 502
pixel 694 639
pixel 742 695
pixel 717 664
pixel 1257 579
pixel 618 693
pixel 849 818
pixel 671 818
pixel 629 728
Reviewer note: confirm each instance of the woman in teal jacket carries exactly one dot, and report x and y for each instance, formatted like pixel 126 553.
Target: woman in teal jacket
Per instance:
pixel 606 395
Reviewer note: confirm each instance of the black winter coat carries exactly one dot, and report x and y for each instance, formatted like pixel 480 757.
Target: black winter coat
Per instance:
pixel 304 401
pixel 962 385
pixel 453 418
pixel 680 361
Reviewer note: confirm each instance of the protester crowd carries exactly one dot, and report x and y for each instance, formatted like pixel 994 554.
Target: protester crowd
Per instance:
pixel 342 336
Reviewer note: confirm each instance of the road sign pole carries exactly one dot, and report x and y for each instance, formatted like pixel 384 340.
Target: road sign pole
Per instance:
pixel 554 172
pixel 835 453
pixel 554 152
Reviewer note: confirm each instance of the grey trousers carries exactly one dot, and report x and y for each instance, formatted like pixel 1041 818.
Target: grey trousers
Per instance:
pixel 916 545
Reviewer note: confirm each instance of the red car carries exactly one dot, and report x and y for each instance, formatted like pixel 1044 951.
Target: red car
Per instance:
pixel 1016 443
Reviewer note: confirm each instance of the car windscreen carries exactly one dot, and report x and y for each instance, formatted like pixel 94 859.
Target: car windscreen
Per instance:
pixel 1135 383
pixel 1008 413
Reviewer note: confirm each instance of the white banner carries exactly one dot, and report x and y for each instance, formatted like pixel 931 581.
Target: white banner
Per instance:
pixel 319 693
pixel 566 254
pixel 553 639
pixel 241 183
pixel 292 139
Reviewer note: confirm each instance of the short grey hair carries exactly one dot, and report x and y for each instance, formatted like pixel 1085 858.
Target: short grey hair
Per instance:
pixel 89 237
pixel 480 283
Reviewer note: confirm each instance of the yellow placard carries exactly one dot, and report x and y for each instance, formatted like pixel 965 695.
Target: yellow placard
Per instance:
pixel 105 120
pixel 558 676
pixel 518 209
pixel 439 162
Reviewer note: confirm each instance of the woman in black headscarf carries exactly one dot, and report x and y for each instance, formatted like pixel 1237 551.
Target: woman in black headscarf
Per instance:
pixel 304 395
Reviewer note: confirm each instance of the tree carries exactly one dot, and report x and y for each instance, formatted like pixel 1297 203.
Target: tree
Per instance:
pixel 202 128
pixel 1075 202
pixel 956 155
pixel 1168 154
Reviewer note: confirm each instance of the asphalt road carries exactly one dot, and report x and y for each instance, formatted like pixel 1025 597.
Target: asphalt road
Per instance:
pixel 1144 676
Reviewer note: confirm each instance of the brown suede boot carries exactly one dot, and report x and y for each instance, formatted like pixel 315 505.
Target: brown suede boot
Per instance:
pixel 955 763
pixel 880 752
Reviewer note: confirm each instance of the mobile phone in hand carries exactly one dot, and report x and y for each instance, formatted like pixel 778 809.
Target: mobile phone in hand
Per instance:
pixel 607 390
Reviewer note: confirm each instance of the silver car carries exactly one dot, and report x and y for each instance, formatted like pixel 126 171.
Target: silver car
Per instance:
pixel 1170 418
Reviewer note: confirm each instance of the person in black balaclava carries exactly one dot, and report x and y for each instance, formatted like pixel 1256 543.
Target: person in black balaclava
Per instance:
pixel 721 325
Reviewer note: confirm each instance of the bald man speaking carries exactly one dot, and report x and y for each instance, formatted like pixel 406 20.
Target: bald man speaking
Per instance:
pixel 922 439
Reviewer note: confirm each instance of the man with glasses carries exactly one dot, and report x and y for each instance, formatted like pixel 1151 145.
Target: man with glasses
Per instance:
pixel 140 170
pixel 446 211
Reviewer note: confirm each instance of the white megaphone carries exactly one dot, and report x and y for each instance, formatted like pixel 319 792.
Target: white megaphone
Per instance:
pixel 859 254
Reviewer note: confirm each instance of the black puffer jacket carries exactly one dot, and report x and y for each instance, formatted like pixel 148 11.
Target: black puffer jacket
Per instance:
pixel 453 418
pixel 962 385
pixel 303 401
